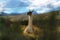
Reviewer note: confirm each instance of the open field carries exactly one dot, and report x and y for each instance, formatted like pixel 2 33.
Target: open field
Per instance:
pixel 48 26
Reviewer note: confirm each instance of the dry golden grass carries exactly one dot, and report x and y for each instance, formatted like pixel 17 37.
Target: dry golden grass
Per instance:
pixel 38 32
pixel 58 28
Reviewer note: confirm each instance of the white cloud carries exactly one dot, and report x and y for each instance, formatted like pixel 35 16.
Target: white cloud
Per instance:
pixel 37 4
pixel 43 10
pixel 2 4
pixel 56 4
pixel 8 10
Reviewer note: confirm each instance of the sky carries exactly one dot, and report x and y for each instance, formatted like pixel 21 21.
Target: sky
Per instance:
pixel 22 6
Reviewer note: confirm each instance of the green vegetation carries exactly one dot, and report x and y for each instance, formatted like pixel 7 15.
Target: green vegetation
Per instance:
pixel 10 26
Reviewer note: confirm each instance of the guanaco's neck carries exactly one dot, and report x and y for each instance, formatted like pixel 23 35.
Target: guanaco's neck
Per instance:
pixel 30 20
pixel 30 23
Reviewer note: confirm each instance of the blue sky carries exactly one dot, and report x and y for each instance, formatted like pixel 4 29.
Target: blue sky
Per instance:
pixel 21 6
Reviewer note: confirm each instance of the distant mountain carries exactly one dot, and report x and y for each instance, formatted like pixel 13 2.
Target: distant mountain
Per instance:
pixel 44 16
pixel 2 14
pixel 35 12
pixel 14 14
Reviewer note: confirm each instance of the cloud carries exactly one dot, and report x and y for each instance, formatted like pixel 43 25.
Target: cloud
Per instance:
pixel 43 10
pixel 16 4
pixel 37 3
pixel 39 6
pixel 8 10
pixel 2 4
pixel 56 4
pixel 42 5
pixel 15 10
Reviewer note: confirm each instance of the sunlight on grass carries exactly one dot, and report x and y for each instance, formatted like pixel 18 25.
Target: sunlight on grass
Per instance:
pixel 58 29
pixel 0 34
pixel 37 32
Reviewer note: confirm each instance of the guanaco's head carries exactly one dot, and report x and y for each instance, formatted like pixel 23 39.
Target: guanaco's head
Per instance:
pixel 29 13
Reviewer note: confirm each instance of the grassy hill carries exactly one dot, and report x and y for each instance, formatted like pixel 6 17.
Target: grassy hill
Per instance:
pixel 10 26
